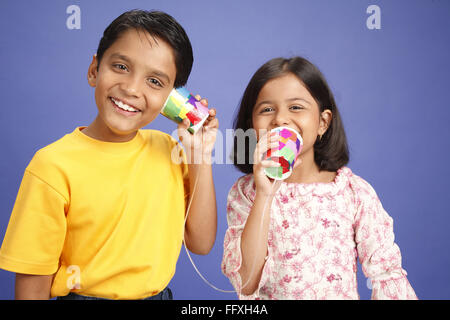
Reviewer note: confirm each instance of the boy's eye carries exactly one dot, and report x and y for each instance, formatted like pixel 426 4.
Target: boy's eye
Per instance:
pixel 296 107
pixel 155 82
pixel 120 66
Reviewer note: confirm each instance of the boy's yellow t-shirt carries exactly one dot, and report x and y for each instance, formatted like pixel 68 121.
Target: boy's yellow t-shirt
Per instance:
pixel 107 218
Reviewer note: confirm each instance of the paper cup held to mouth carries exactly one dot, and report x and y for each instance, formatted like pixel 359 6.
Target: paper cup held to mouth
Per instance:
pixel 289 147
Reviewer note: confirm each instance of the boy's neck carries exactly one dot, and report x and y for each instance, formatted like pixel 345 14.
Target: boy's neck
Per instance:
pixel 99 131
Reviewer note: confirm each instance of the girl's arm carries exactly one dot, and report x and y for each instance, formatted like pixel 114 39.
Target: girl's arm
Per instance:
pixel 254 238
pixel 33 287
pixel 254 243
pixel 379 255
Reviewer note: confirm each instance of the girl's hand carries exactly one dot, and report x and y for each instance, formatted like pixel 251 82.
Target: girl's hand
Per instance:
pixel 199 146
pixel 263 183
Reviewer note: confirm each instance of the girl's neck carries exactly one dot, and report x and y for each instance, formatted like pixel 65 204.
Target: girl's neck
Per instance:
pixel 308 172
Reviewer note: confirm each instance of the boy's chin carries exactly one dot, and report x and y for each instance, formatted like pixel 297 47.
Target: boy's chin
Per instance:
pixel 121 129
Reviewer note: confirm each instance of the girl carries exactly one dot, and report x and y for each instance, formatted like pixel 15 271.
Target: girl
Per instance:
pixel 299 238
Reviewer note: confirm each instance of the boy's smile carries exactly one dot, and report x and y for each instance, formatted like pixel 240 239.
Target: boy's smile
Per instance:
pixel 132 82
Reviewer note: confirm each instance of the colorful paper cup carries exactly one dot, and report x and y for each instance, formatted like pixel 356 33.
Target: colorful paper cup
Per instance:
pixel 181 104
pixel 289 147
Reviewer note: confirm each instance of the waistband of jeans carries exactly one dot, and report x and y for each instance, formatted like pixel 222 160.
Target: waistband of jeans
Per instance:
pixel 165 294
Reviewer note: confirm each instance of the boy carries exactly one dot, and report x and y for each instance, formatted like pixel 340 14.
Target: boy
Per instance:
pixel 100 212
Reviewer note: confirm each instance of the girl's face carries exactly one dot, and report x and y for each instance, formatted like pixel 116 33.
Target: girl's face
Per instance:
pixel 285 101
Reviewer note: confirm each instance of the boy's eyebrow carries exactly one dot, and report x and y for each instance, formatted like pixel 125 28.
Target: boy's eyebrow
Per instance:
pixel 155 72
pixel 120 56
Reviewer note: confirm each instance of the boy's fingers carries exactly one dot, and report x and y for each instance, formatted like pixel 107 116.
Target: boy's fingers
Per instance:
pixel 212 112
pixel 214 123
pixel 184 124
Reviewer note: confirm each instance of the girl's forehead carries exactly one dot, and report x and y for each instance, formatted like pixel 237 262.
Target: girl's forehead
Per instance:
pixel 285 87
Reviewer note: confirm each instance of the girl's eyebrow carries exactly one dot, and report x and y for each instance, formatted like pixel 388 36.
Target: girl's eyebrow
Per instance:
pixel 298 99
pixel 287 100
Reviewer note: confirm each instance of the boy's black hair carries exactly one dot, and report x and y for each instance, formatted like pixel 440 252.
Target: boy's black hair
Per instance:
pixel 159 25
pixel 331 152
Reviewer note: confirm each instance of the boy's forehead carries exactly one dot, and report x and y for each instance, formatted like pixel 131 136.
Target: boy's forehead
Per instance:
pixel 139 46
pixel 138 38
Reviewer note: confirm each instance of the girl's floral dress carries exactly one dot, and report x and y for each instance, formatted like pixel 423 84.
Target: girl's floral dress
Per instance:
pixel 316 233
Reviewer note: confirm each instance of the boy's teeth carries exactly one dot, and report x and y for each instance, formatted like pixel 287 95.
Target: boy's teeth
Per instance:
pixel 123 106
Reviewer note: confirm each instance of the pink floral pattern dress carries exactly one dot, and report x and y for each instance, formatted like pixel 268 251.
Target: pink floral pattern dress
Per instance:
pixel 316 233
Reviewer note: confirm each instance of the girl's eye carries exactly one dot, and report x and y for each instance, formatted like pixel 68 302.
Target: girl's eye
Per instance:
pixel 297 107
pixel 266 109
pixel 155 82
pixel 120 66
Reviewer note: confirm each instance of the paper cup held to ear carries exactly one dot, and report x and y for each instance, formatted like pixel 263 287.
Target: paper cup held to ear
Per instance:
pixel 181 104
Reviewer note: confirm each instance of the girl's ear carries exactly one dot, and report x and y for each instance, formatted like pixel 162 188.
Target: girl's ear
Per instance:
pixel 92 72
pixel 325 121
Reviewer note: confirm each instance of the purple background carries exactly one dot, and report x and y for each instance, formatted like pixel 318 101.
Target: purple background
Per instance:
pixel 391 86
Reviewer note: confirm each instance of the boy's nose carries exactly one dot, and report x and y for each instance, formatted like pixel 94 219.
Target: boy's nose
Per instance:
pixel 131 87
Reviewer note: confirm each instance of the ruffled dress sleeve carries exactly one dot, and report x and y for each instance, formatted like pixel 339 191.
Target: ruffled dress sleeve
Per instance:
pixel 239 203
pixel 379 255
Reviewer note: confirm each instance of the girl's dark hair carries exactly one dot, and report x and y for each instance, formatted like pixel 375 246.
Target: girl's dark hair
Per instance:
pixel 330 152
pixel 160 25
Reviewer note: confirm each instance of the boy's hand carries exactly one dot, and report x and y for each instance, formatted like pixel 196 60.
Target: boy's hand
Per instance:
pixel 199 146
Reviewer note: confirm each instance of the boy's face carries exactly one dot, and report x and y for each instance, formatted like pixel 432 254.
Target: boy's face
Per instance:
pixel 134 79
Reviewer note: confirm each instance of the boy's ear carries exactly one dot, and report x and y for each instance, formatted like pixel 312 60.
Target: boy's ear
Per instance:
pixel 325 121
pixel 92 72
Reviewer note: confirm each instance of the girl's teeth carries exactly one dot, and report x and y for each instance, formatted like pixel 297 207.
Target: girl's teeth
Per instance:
pixel 124 106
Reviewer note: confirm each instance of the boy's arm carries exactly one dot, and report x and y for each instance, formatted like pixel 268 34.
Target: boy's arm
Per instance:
pixel 33 287
pixel 201 223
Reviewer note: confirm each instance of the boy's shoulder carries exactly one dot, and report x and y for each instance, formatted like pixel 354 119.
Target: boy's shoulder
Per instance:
pixel 152 135
pixel 47 152
pixel 47 157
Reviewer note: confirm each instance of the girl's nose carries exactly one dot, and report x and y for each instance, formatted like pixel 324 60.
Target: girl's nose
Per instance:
pixel 281 119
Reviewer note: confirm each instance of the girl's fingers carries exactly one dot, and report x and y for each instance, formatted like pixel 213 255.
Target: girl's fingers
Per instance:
pixel 269 140
pixel 297 162
pixel 269 163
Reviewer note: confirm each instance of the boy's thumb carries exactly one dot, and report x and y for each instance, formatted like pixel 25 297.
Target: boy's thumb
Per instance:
pixel 184 124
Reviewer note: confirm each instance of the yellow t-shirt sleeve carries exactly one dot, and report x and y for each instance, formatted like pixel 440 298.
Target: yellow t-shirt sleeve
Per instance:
pixel 36 231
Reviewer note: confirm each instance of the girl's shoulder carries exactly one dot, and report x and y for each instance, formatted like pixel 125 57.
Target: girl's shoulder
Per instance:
pixel 244 187
pixel 362 189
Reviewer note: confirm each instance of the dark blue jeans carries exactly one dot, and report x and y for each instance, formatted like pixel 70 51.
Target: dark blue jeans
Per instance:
pixel 166 294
